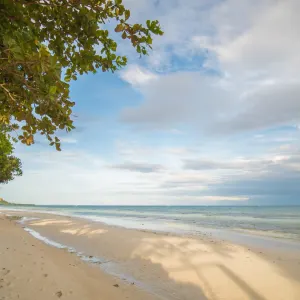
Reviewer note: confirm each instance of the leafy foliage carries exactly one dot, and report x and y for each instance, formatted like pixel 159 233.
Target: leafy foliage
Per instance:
pixel 10 166
pixel 46 43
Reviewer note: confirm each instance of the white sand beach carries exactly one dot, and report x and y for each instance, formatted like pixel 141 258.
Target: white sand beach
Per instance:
pixel 135 264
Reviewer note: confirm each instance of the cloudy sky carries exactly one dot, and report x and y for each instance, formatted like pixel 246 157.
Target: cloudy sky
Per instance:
pixel 211 116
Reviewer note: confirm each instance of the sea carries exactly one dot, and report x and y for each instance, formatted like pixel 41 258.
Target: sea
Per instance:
pixel 277 222
pixel 267 229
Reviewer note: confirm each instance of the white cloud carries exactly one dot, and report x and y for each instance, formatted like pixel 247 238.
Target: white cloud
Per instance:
pixel 140 167
pixel 137 75
pixel 75 177
pixel 191 98
pixel 223 198
pixel 179 20
pixel 265 107
pixel 238 164
pixel 272 42
pixel 176 131
pixel 178 98
pixel 255 44
pixel 68 140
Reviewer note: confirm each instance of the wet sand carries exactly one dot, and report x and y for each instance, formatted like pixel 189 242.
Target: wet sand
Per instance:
pixel 30 269
pixel 148 264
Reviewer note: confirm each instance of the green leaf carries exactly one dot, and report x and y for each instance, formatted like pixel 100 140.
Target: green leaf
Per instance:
pixel 44 47
pixel 127 14
pixel 119 28
pixel 67 78
pixel 52 90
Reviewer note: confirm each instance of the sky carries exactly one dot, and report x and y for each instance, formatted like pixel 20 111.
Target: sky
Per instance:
pixel 211 116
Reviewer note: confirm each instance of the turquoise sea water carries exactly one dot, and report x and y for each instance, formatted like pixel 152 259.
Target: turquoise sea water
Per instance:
pixel 281 222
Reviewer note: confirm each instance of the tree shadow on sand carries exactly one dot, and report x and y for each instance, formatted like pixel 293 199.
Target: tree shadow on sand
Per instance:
pixel 171 267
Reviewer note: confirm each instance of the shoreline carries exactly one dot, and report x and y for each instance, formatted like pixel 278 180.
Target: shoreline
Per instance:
pixel 172 266
pixel 241 237
pixel 30 269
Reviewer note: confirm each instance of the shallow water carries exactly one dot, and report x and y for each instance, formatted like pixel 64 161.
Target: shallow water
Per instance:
pixel 225 223
pixel 281 222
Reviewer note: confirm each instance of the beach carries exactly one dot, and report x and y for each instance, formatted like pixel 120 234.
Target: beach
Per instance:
pixel 30 269
pixel 84 259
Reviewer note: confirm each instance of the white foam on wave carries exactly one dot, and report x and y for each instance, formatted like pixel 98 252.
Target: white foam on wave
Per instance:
pixel 107 266
pixel 26 219
pixel 81 255
pixel 47 241
pixel 52 212
pixel 111 221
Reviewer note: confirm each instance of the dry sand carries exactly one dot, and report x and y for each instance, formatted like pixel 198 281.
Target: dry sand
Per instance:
pixel 161 266
pixel 29 269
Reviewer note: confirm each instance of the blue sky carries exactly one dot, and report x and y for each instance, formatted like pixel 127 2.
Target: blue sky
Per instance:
pixel 211 116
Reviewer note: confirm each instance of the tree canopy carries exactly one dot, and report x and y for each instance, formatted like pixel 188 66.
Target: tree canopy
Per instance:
pixel 46 43
pixel 10 166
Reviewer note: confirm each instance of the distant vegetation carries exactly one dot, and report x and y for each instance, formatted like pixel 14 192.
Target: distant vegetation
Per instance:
pixel 3 202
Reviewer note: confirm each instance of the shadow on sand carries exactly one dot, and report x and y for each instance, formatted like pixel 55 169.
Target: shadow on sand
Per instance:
pixel 168 266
